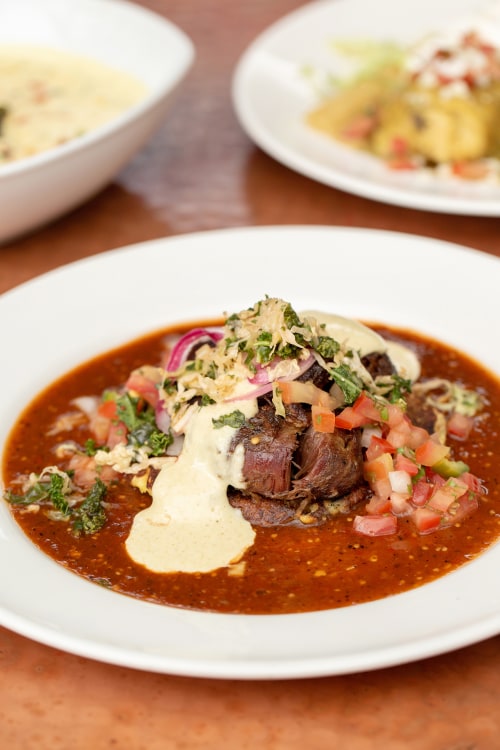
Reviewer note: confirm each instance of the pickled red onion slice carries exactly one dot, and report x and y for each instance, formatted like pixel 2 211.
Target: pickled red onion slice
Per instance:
pixel 183 347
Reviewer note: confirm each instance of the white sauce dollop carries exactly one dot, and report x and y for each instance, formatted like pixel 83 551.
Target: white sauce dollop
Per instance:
pixel 366 341
pixel 190 526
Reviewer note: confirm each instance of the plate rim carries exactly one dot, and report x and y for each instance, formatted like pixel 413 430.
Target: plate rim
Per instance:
pixel 240 666
pixel 248 117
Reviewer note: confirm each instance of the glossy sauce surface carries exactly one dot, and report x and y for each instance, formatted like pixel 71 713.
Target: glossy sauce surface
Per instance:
pixel 292 568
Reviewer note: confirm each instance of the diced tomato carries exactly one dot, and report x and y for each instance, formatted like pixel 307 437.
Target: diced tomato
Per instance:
pixel 430 452
pixel 399 435
pixel 417 437
pixel 436 480
pixel 297 392
pixel 473 483
pixel 377 505
pixel 464 507
pixel 404 463
pixel 382 488
pixel 99 427
pixel 378 468
pixel 443 497
pixel 108 409
pixel 396 416
pixel 144 387
pixel 323 420
pixel 375 525
pixel 366 406
pixel 422 490
pixel 456 486
pixel 378 445
pixel 361 127
pixel 348 419
pixel 85 471
pixel 108 430
pixel 102 420
pixel 400 505
pixel 470 170
pixel 426 520
pixel 459 426
pixel 117 434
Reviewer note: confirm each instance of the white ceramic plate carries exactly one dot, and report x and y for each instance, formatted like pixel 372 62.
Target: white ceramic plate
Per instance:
pixel 121 35
pixel 271 97
pixel 64 317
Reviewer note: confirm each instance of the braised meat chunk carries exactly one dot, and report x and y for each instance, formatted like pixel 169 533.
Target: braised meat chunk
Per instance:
pixel 378 363
pixel 288 466
pixel 269 442
pixel 330 463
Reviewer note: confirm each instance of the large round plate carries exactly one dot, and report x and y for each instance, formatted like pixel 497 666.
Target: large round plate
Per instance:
pixel 58 320
pixel 271 96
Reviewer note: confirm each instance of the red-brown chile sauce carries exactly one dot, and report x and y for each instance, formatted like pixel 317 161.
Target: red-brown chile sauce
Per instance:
pixel 293 568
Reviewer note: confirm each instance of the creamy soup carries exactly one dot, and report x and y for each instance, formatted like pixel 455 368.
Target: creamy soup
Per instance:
pixel 49 97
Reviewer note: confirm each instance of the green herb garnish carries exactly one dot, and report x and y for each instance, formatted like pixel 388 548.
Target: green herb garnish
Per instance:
pixel 236 419
pixel 327 347
pixel 90 515
pixel 350 384
pixel 141 426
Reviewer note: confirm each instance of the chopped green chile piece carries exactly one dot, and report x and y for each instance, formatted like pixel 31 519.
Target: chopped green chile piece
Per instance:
pixel 447 468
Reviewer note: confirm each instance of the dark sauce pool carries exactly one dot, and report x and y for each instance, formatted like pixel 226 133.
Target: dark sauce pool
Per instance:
pixel 290 568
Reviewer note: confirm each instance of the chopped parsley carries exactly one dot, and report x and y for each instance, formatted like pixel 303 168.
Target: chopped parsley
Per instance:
pixel 327 347
pixel 90 447
pixel 350 384
pixel 51 490
pixel 401 387
pixel 236 419
pixel 54 489
pixel 90 515
pixel 141 426
pixel 264 349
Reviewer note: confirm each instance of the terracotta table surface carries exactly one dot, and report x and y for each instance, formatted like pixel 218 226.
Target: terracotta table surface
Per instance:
pixel 200 171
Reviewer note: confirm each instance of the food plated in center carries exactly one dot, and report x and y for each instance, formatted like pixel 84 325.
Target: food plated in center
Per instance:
pixel 278 462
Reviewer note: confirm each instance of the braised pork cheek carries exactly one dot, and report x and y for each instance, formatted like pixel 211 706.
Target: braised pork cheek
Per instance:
pixel 270 442
pixel 330 463
pixel 288 466
pixel 378 364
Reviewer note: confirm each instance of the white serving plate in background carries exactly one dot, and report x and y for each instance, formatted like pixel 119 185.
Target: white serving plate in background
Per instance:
pixel 121 35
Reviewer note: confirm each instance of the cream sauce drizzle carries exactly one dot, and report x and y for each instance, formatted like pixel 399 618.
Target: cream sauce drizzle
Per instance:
pixel 360 337
pixel 190 526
